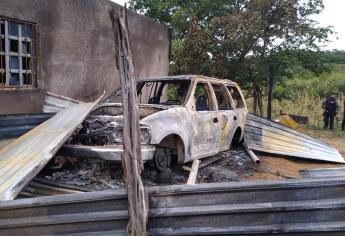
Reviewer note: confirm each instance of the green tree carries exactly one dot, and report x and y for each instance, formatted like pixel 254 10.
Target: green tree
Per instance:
pixel 191 24
pixel 238 39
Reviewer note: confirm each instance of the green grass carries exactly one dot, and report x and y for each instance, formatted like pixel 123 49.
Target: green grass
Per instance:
pixel 303 95
pixel 303 105
pixel 316 132
pixel 307 82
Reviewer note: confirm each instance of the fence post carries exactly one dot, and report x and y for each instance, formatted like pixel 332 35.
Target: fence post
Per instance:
pixel 131 159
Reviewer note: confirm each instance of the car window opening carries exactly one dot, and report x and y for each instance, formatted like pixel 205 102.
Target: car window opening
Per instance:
pixel 236 96
pixel 202 98
pixel 222 97
pixel 163 92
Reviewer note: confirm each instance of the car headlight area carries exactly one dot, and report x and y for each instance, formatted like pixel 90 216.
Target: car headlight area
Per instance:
pixel 145 135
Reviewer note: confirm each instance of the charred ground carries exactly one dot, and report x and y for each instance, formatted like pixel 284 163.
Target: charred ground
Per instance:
pixel 234 165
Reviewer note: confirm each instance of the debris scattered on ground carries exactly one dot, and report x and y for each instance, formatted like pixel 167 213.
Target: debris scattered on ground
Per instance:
pixel 89 173
pixel 251 154
pixel 95 175
pixel 231 166
pixel 289 122
pixel 193 172
pixel 234 165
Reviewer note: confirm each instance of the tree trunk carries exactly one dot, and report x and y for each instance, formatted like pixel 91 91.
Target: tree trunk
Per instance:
pixel 131 160
pixel 260 104
pixel 257 100
pixel 270 90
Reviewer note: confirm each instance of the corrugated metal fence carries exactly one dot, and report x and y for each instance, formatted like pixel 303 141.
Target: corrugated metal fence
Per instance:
pixel 289 207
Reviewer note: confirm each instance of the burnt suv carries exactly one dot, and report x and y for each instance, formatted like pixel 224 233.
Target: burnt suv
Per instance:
pixel 182 118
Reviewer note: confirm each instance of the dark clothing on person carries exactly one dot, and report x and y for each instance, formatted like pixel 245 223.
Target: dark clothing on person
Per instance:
pixel 343 123
pixel 329 120
pixel 331 107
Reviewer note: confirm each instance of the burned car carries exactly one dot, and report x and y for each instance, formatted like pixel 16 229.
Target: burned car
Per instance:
pixel 182 118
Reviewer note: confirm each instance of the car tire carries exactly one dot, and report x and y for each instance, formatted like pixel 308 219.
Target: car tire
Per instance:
pixel 162 160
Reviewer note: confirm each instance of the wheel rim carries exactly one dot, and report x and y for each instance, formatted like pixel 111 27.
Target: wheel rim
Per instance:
pixel 162 160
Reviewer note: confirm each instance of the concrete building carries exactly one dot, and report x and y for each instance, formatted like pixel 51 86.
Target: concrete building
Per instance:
pixel 67 47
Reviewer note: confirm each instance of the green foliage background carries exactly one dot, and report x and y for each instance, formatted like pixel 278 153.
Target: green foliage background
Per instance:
pixel 303 92
pixel 304 79
pixel 241 39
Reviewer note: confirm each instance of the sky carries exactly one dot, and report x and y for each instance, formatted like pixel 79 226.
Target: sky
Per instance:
pixel 332 15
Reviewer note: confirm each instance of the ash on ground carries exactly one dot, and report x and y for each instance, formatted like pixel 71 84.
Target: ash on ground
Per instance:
pixel 96 175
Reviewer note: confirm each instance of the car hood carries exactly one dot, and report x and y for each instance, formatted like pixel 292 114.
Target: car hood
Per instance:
pixel 115 109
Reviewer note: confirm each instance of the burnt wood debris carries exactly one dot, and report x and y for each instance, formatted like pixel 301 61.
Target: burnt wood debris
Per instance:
pixel 131 161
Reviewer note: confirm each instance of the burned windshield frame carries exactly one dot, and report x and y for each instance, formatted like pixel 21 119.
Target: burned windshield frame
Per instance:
pixel 174 95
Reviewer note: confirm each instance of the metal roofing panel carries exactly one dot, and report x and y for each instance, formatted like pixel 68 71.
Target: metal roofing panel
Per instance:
pixel 13 126
pixel 54 102
pixel 271 137
pixel 323 173
pixel 22 159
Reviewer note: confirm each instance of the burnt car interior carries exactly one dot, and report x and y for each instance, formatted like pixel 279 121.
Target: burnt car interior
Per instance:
pixel 202 98
pixel 222 97
pixel 236 97
pixel 163 92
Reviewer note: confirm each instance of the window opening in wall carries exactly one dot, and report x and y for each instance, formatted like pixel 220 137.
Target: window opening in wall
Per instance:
pixel 16 54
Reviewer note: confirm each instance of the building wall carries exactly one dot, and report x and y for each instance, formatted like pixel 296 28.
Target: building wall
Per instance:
pixel 77 51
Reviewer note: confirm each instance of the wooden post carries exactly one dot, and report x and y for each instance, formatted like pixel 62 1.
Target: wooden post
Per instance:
pixel 131 160
pixel 193 172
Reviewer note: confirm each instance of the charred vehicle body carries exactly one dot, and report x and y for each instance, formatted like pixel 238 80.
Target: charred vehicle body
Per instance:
pixel 183 118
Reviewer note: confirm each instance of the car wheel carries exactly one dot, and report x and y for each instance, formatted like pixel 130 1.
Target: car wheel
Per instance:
pixel 162 159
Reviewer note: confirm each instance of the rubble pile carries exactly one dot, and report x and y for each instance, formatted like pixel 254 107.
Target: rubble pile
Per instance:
pixel 235 165
pixel 95 175
pixel 88 173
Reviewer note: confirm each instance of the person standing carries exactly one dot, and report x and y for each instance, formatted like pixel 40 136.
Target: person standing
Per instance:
pixel 343 123
pixel 330 109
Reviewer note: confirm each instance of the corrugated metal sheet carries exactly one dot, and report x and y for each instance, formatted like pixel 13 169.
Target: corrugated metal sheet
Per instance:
pixel 22 159
pixel 12 126
pixel 323 173
pixel 39 187
pixel 270 137
pixel 54 103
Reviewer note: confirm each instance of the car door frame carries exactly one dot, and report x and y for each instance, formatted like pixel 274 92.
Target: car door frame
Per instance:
pixel 227 120
pixel 241 113
pixel 203 122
